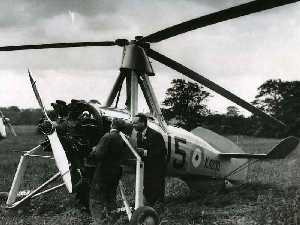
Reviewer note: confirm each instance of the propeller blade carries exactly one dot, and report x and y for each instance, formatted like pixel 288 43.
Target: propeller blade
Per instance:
pixel 37 95
pixel 59 153
pixel 213 18
pixel 57 45
pixel 61 160
pixel 211 85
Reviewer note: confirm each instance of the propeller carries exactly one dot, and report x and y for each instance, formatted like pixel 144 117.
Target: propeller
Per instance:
pixel 213 18
pixel 6 122
pixel 211 85
pixel 57 148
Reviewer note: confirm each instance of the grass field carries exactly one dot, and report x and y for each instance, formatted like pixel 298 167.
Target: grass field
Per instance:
pixel 271 196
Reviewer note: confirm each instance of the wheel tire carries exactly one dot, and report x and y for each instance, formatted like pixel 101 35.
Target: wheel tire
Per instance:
pixel 144 215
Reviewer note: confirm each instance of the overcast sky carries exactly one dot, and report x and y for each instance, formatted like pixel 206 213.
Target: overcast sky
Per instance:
pixel 239 54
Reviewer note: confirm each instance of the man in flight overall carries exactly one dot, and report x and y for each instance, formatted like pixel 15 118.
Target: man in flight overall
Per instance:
pixel 108 154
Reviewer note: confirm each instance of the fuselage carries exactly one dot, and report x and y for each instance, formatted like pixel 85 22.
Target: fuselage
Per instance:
pixel 189 155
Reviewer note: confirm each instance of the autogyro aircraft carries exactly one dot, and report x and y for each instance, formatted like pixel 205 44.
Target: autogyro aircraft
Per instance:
pixel 4 121
pixel 198 156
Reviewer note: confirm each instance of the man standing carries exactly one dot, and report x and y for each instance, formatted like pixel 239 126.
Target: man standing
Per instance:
pixel 155 161
pixel 108 155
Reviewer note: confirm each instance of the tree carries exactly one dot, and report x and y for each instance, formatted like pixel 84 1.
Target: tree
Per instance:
pixel 269 96
pixel 281 99
pixel 14 109
pixel 232 111
pixel 185 103
pixel 290 107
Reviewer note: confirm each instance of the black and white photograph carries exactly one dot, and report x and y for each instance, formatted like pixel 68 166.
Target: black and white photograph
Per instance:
pixel 148 112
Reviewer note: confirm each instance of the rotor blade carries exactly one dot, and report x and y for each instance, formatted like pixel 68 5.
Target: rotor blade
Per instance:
pixel 2 129
pixel 12 130
pixel 213 18
pixel 37 95
pixel 57 45
pixel 211 85
pixel 6 122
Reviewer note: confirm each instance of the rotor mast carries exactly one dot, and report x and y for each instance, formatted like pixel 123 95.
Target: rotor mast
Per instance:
pixel 135 69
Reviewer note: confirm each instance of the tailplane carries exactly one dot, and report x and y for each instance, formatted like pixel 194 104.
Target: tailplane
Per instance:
pixel 280 151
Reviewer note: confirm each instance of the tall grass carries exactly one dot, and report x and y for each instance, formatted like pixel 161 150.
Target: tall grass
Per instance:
pixel 271 195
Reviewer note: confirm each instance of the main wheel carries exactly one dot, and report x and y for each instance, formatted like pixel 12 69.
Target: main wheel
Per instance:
pixel 144 215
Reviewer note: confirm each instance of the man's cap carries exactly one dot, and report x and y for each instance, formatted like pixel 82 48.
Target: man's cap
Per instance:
pixel 118 123
pixel 60 102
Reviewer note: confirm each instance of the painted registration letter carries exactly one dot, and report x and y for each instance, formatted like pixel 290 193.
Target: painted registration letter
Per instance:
pixel 178 164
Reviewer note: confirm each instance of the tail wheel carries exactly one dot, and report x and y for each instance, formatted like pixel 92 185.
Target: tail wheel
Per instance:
pixel 144 215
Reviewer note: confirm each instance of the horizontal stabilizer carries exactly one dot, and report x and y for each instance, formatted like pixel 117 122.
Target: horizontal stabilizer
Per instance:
pixel 280 151
pixel 243 155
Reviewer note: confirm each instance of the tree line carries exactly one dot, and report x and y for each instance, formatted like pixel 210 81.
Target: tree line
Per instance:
pixel 19 116
pixel 185 105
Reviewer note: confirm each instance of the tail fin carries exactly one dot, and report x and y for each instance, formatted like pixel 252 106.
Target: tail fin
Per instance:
pixel 280 151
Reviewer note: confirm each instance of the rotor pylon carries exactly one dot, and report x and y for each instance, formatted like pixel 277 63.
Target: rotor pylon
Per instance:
pixel 136 69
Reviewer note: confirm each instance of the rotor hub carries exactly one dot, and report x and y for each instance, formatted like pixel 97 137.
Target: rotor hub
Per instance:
pixel 121 42
pixel 135 58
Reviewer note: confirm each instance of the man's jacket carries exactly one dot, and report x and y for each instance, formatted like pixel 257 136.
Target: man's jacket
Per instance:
pixel 109 151
pixel 155 160
pixel 107 155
